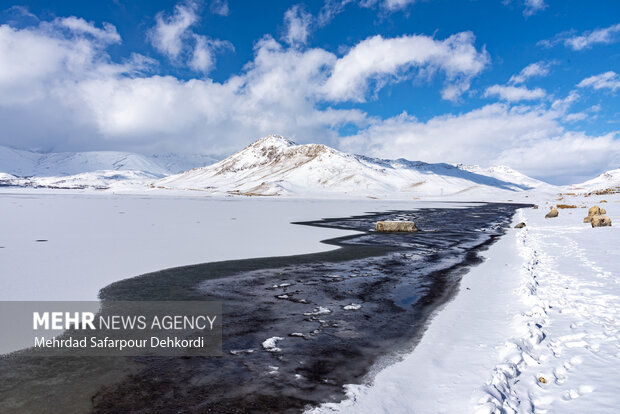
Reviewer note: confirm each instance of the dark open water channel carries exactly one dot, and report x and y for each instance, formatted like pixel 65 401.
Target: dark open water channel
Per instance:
pixel 338 313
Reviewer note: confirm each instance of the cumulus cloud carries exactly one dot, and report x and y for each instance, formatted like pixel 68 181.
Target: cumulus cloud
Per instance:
pixel 170 31
pixel 203 56
pixel 297 22
pixel 537 69
pixel 382 60
pixel 172 36
pixel 585 40
pixel 518 136
pixel 60 90
pixel 64 93
pixel 514 93
pixel 533 6
pixel 608 80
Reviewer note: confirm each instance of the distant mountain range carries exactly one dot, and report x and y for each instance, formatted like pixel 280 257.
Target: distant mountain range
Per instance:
pixel 276 166
pixel 57 164
pixel 91 169
pixel 272 166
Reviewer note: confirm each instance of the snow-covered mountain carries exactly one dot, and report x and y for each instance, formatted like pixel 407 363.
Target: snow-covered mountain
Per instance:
pixel 608 180
pixel 92 169
pixel 276 166
pixel 58 164
pixel 505 173
pixel 97 180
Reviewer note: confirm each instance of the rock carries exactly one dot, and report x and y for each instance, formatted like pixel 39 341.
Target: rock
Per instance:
pixel 520 225
pixel 603 201
pixel 600 221
pixel 566 206
pixel 552 213
pixel 396 226
pixel 535 207
pixel 594 211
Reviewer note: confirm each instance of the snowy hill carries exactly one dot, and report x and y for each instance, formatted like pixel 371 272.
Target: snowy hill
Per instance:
pixel 607 180
pixel 276 166
pixel 26 163
pixel 98 180
pixel 505 173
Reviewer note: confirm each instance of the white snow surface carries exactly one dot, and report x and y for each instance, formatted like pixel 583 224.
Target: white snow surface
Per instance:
pixel 94 239
pixel 545 304
pixel 276 166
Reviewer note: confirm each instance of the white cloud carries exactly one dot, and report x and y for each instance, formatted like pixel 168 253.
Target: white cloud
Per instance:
pixel 575 154
pixel 219 7
pixel 170 31
pixel 585 40
pixel 33 59
pixel 577 116
pixel 60 90
pixel 608 80
pixel 172 36
pixel 381 59
pixel 330 9
pixel 203 56
pixel 537 69
pixel 514 93
pixel 533 6
pixel 297 22
pixel 519 136
pixel 80 26
pixel 389 5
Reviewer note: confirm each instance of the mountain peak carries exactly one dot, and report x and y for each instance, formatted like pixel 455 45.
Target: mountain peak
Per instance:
pixel 273 140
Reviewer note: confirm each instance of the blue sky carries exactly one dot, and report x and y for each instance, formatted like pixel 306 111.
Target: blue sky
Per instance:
pixel 529 83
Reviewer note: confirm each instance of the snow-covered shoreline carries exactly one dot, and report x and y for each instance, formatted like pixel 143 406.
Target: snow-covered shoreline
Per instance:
pixel 544 304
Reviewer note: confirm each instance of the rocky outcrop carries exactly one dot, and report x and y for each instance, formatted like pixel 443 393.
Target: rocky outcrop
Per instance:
pixel 520 225
pixel 552 213
pixel 396 226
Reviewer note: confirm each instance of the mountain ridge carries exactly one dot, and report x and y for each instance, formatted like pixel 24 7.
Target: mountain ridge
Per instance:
pixel 274 165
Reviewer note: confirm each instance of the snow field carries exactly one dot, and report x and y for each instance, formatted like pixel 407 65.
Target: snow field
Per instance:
pixel 565 356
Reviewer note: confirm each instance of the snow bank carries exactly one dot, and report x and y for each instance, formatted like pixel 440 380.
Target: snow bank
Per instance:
pixel 535 328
